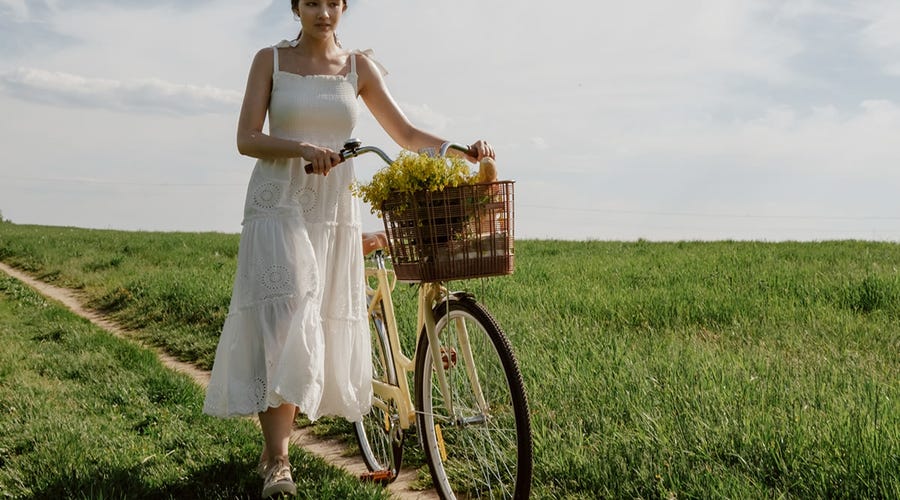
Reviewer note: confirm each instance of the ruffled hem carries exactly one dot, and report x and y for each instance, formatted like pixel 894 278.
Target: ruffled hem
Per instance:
pixel 320 365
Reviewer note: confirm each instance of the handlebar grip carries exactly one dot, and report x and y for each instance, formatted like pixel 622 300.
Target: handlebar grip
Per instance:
pixel 309 168
pixel 465 149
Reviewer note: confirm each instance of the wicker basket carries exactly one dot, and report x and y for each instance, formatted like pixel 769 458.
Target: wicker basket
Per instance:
pixel 460 232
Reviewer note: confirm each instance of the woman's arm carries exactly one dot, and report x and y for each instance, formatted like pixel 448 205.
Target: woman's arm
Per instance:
pixel 391 118
pixel 251 140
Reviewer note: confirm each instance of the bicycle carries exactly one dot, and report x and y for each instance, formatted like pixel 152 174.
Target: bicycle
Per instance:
pixel 470 409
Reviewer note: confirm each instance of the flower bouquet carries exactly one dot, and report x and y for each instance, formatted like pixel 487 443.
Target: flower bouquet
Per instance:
pixel 442 220
pixel 409 174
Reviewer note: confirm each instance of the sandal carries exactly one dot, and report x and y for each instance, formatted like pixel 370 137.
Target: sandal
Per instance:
pixel 279 480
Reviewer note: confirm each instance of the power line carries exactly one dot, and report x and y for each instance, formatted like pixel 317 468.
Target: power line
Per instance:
pixel 119 182
pixel 543 207
pixel 721 215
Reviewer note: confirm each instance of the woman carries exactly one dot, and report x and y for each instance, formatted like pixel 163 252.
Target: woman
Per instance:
pixel 296 337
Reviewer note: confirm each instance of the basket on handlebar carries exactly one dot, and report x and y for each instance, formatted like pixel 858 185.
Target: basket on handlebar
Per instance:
pixel 457 233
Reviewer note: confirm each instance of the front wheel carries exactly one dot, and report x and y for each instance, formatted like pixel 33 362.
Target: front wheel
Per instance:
pixel 481 448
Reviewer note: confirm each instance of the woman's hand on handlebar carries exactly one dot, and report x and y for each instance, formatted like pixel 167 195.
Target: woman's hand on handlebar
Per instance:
pixel 480 149
pixel 321 160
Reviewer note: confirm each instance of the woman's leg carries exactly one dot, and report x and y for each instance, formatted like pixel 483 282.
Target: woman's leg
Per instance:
pixel 277 424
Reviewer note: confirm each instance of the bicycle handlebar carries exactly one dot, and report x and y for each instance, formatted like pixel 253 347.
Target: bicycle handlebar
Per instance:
pixel 353 148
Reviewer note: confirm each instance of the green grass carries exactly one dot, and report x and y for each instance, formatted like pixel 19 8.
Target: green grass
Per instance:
pixel 86 415
pixel 172 288
pixel 688 369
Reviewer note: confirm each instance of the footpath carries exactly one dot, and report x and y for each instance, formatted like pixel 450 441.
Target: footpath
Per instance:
pixel 332 451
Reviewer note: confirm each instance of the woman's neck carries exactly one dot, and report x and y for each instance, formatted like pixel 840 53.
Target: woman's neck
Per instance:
pixel 315 47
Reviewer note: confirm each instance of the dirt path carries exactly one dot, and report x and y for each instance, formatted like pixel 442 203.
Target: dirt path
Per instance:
pixel 331 451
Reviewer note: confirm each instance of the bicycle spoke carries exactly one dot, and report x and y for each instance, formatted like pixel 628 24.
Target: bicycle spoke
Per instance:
pixel 487 438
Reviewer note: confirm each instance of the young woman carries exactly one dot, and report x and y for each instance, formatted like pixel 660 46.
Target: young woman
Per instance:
pixel 296 337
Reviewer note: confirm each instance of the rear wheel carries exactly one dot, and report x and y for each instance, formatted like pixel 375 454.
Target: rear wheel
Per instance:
pixel 379 434
pixel 483 447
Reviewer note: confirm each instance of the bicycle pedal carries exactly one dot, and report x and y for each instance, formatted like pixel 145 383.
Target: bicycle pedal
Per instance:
pixel 379 476
pixel 448 357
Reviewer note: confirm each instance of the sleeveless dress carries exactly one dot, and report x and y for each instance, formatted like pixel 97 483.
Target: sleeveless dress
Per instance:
pixel 296 330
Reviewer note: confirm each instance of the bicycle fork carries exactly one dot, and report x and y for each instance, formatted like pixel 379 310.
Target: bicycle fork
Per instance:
pixel 443 359
pixel 432 293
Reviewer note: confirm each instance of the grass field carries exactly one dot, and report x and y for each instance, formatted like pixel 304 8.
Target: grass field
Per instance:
pixel 654 370
pixel 87 415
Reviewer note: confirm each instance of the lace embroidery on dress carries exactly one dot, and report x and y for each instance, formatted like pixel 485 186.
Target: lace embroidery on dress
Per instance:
pixel 259 393
pixel 307 198
pixel 276 281
pixel 267 196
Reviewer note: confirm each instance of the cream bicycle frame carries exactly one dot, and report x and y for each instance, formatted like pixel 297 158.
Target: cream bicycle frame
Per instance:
pixel 428 295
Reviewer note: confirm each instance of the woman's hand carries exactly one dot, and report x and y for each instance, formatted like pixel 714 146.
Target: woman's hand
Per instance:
pixel 321 160
pixel 480 149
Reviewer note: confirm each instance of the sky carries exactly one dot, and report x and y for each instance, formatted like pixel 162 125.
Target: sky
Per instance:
pixel 767 120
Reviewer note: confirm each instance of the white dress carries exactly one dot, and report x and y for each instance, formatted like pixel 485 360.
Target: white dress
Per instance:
pixel 297 331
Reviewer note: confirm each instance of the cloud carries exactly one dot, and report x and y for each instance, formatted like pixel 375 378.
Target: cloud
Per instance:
pixel 144 96
pixel 274 19
pixel 38 8
pixel 27 26
pixel 881 35
pixel 698 106
pixel 13 9
pixel 424 116
pixel 779 141
pixel 24 28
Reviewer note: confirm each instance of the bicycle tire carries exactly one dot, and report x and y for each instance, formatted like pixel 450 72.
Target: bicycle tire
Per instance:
pixel 471 454
pixel 378 434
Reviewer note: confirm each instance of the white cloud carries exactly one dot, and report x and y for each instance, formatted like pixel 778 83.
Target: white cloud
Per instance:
pixel 883 18
pixel 780 140
pixel 146 95
pixel 16 9
pixel 425 116
pixel 653 107
pixel 881 36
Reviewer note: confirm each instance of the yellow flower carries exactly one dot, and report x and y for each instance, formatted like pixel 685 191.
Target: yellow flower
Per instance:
pixel 410 173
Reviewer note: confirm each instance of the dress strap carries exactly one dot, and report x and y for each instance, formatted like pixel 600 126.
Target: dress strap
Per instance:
pixel 367 53
pixel 352 63
pixel 275 58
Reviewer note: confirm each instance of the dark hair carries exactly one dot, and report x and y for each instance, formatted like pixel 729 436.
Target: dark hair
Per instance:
pixel 295 3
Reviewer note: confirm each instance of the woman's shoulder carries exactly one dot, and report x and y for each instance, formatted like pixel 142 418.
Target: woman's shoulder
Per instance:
pixel 366 62
pixel 268 49
pixel 266 52
pixel 264 60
